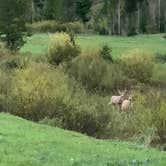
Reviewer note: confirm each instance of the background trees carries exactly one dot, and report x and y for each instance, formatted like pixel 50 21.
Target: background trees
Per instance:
pixel 120 17
pixel 12 22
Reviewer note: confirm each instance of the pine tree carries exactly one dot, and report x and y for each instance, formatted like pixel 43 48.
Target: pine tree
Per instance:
pixel 83 9
pixel 12 22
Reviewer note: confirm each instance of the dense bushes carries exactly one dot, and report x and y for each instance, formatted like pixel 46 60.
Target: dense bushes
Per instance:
pixel 139 66
pixel 53 26
pixel 89 70
pixel 62 49
pixel 161 58
pixel 37 91
pixel 76 96
pixel 95 73
pixel 3 50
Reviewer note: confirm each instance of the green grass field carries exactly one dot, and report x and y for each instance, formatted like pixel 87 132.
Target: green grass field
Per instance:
pixel 24 143
pixel 38 44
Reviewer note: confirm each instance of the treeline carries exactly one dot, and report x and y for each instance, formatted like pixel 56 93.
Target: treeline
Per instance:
pixel 105 16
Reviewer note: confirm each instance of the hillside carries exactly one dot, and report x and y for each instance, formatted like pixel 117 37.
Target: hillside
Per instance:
pixel 24 143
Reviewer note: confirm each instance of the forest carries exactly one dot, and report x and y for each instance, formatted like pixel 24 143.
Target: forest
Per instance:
pixel 105 16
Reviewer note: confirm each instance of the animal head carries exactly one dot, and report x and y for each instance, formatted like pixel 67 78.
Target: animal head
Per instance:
pixel 122 93
pixel 130 97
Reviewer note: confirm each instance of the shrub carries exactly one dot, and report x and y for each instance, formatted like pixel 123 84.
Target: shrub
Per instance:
pixel 159 75
pixel 53 26
pixel 42 26
pixel 62 49
pixel 16 62
pixel 114 79
pixel 38 91
pixel 96 74
pixel 160 58
pixel 3 51
pixel 89 69
pixel 5 88
pixel 105 53
pixel 139 66
pixel 76 27
pixel 160 122
pixel 86 114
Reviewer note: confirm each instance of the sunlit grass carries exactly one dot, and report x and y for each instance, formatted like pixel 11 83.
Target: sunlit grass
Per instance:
pixel 24 143
pixel 38 44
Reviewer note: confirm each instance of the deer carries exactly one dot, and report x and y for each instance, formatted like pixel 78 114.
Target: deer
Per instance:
pixel 127 103
pixel 117 100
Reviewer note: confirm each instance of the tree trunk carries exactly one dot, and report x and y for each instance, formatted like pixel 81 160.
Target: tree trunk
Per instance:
pixel 138 19
pixel 33 11
pixel 119 17
pixel 159 14
pixel 113 22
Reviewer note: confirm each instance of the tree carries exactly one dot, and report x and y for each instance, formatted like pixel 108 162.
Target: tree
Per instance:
pixel 83 9
pixel 12 22
pixel 53 9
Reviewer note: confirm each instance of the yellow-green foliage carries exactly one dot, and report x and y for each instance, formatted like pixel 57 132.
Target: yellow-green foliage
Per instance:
pixel 62 49
pixel 59 39
pixel 5 84
pixel 95 73
pixel 160 121
pixel 3 51
pixel 89 69
pixel 138 65
pixel 37 90
pixel 42 26
pixel 76 27
pixel 54 26
pixel 159 74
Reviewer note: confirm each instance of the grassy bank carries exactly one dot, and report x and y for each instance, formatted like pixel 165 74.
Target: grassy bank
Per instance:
pixel 25 143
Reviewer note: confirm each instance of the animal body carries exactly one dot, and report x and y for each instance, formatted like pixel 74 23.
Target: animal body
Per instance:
pixel 117 100
pixel 126 104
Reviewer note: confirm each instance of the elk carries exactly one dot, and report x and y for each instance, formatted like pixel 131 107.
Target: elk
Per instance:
pixel 117 100
pixel 126 104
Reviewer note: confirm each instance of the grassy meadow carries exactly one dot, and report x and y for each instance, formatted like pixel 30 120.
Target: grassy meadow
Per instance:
pixel 38 44
pixel 24 143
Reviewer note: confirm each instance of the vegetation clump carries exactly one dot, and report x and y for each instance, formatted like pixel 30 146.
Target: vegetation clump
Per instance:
pixel 62 49
pixel 105 53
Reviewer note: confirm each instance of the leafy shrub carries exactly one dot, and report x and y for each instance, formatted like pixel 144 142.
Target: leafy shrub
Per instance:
pixel 5 87
pixel 160 58
pixel 159 75
pixel 53 26
pixel 62 49
pixel 42 26
pixel 160 122
pixel 86 114
pixel 16 61
pixel 89 69
pixel 105 53
pixel 37 91
pixel 139 66
pixel 114 79
pixel 55 122
pixel 3 51
pixel 96 74
pixel 76 27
